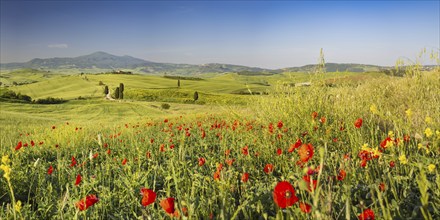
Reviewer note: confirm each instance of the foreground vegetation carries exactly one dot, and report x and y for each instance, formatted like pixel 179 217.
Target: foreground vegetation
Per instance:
pixel 348 146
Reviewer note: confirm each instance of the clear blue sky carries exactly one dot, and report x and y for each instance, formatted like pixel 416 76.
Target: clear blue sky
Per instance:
pixel 270 34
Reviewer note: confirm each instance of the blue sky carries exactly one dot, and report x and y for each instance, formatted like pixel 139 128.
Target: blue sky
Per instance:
pixel 270 34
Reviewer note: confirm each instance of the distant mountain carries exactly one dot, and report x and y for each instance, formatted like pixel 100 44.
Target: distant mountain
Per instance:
pixel 95 60
pixel 102 60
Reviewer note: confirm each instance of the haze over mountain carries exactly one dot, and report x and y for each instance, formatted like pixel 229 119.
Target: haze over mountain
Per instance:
pixel 102 60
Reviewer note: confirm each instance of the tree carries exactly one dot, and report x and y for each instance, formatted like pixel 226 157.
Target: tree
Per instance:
pixel 121 90
pixel 178 83
pixel 106 90
pixel 117 93
pixel 196 96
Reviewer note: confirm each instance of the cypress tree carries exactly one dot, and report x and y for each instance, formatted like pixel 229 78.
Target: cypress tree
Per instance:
pixel 117 93
pixel 178 83
pixel 121 90
pixel 196 96
pixel 106 90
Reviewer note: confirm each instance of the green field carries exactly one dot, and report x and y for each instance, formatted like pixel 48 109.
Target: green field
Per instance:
pixel 388 164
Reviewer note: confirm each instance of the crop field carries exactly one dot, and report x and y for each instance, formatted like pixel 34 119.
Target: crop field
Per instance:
pixel 349 146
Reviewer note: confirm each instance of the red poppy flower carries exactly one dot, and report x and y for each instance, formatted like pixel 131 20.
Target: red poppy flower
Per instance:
pixel 73 163
pixel 124 161
pixel 50 170
pixel 201 161
pixel 383 144
pixel 203 134
pixel 219 167
pixel 367 214
pixel 306 208
pixel 279 151
pixel 305 152
pixel 32 143
pixel 364 163
pixel 392 164
pixel 148 196
pixel 322 120
pixel 85 203
pixel 406 138
pixel 245 150
pixel 227 152
pixel 382 187
pixel 217 175
pixel 271 128
pixel 245 177
pixel 365 155
pixel 168 205
pixel 280 124
pixel 314 115
pixel 342 174
pixel 268 168
pixel 284 195
pixel 78 180
pixel 230 161
pixel 358 123
pixel 310 183
pixel 185 211
pixel 19 145
pixel 297 144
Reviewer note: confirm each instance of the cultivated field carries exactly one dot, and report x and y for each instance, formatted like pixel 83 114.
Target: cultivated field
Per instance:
pixel 351 145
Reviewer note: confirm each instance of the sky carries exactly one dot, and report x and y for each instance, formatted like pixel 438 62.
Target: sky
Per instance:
pixel 267 34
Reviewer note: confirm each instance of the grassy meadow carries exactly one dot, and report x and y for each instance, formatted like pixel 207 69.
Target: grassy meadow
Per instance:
pixel 350 146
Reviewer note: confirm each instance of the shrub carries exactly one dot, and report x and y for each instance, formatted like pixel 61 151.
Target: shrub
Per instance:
pixel 11 96
pixel 165 106
pixel 50 100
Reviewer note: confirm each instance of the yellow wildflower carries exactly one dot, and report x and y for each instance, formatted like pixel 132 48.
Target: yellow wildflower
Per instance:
pixel 7 171
pixel 365 147
pixel 431 168
pixel 389 143
pixel 403 159
pixel 5 159
pixel 419 146
pixel 376 152
pixel 17 206
pixel 373 109
pixel 428 132
pixel 390 134
pixel 409 113
pixel 438 134
pixel 428 120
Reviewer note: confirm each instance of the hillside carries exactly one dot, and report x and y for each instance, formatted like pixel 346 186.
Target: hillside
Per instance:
pixel 337 67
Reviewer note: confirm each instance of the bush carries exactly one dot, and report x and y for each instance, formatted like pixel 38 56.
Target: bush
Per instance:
pixel 50 100
pixel 11 96
pixel 165 106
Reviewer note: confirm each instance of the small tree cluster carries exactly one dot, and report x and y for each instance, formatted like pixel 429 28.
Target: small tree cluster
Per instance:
pixel 119 91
